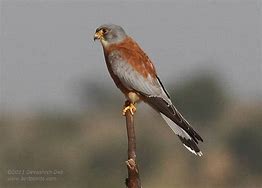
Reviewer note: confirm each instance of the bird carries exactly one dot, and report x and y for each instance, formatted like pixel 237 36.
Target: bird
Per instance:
pixel 135 75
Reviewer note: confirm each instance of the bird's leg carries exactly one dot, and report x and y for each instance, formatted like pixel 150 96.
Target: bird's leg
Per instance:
pixel 129 106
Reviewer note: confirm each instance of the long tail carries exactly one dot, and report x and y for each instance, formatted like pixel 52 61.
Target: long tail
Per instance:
pixel 185 138
pixel 188 136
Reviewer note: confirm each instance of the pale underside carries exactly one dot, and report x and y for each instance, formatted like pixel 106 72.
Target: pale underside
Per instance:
pixel 133 97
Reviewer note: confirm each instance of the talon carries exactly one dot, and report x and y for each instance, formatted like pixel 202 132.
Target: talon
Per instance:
pixel 131 107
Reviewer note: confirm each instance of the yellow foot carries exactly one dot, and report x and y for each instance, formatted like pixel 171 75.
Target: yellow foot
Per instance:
pixel 131 107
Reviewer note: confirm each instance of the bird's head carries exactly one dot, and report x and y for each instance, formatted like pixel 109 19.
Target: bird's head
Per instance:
pixel 110 34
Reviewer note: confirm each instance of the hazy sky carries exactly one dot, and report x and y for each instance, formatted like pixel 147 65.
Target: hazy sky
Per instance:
pixel 47 47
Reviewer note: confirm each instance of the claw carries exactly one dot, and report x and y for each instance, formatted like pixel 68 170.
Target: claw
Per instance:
pixel 131 107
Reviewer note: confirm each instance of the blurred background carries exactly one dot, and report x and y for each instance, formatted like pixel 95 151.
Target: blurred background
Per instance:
pixel 59 109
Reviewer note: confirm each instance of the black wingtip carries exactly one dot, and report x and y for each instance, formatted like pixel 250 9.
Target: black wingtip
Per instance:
pixel 191 145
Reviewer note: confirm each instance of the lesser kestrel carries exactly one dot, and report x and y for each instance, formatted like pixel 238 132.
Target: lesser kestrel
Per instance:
pixel 135 75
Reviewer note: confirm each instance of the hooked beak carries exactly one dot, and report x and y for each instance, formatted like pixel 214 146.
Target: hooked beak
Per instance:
pixel 98 35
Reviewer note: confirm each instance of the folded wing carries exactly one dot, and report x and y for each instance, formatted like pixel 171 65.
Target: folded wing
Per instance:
pixel 153 93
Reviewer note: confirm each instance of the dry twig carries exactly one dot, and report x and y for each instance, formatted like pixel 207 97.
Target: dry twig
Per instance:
pixel 133 180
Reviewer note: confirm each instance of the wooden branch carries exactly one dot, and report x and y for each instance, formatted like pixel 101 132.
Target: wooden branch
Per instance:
pixel 133 180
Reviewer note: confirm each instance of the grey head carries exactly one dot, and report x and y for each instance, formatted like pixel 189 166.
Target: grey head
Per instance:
pixel 110 34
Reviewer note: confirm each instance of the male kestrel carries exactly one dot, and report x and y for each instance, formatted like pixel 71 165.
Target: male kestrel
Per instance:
pixel 135 75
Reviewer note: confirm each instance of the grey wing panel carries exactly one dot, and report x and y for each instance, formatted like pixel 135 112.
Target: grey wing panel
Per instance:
pixel 131 79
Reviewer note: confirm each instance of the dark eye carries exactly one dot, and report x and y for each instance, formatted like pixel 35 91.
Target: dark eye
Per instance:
pixel 105 31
